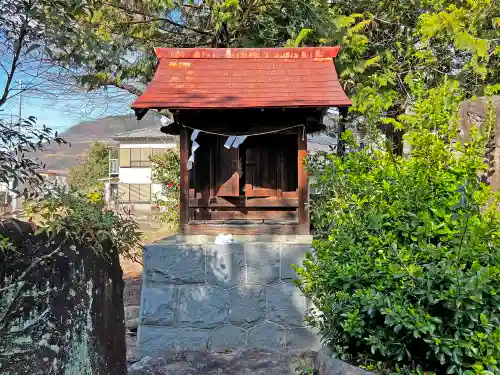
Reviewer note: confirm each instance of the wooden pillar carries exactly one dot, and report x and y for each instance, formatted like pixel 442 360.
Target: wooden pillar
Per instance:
pixel 184 190
pixel 303 212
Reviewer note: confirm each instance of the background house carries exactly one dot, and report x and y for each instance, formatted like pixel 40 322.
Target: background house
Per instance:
pixel 5 199
pixel 53 178
pixel 134 187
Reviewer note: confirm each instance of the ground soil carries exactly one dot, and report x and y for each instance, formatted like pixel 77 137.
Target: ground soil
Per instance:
pixel 132 297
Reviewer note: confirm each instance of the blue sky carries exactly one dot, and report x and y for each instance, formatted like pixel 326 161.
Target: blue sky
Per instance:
pixel 61 113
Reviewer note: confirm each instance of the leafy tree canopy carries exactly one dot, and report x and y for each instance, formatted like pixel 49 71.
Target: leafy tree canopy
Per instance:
pixel 94 166
pixel 115 41
pixel 387 46
pixel 18 171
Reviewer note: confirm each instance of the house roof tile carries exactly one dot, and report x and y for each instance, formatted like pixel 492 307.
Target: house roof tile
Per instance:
pixel 146 133
pixel 244 78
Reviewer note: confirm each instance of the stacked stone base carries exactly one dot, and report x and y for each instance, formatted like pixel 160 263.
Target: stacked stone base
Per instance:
pixel 198 296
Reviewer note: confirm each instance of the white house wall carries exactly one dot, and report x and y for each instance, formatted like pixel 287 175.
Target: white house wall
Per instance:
pixel 155 189
pixel 135 175
pixel 139 175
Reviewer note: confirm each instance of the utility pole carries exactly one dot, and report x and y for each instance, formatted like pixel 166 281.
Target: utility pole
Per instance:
pixel 7 185
pixel 108 185
pixel 20 102
pixel 16 199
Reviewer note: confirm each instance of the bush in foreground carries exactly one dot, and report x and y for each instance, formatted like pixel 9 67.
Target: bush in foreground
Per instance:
pixel 406 273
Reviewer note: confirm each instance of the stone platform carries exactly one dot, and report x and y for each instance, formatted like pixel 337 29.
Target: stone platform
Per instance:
pixel 254 362
pixel 199 296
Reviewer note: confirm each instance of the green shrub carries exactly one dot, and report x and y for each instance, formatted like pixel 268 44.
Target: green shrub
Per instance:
pixel 405 273
pixel 84 218
pixel 166 171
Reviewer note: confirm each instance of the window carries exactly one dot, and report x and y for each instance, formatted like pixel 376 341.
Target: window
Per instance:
pixel 135 157
pixel 134 193
pixel 113 167
pixel 124 157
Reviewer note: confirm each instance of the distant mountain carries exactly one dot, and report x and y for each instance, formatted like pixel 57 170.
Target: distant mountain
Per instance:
pixel 83 134
pixel 107 127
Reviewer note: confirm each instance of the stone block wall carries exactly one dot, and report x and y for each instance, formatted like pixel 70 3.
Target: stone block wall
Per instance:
pixel 206 297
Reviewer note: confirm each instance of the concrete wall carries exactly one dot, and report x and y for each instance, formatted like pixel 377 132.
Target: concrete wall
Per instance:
pixel 205 297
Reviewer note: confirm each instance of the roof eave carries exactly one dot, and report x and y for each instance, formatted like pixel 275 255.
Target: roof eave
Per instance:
pixel 138 107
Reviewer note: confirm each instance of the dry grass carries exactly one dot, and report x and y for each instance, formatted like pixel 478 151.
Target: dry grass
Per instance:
pixel 151 231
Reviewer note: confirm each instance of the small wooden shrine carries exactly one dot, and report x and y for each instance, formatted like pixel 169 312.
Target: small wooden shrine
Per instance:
pixel 243 116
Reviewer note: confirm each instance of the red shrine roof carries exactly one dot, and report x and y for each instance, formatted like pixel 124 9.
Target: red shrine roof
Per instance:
pixel 203 78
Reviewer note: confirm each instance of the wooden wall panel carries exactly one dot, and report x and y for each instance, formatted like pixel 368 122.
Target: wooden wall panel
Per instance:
pixel 227 178
pixel 260 172
pixel 214 230
pixel 275 183
pixel 247 214
pixel 220 202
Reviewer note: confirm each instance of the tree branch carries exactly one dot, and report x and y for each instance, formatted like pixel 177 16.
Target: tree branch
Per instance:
pixel 244 18
pixel 17 54
pixel 171 22
pixel 164 19
pixel 4 68
pixel 124 86
pixel 201 6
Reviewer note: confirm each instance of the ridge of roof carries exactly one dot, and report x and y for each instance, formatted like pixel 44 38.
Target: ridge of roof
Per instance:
pixel 247 53
pixel 151 133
